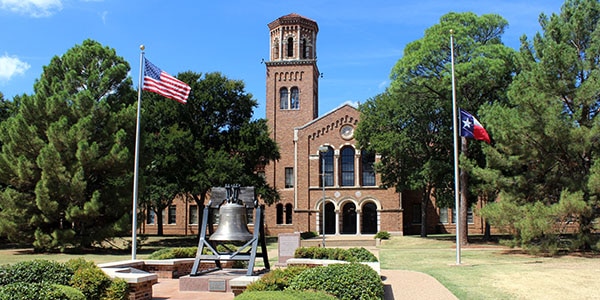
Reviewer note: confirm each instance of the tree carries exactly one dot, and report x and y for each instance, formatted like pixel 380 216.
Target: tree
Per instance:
pixel 410 125
pixel 65 161
pixel 210 141
pixel 545 161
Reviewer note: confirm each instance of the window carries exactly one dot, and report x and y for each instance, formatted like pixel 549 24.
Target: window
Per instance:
pixel 288 213
pixel 172 215
pixel 416 213
pixel 193 216
pixel 347 166
pixel 283 98
pixel 469 216
pixel 368 169
pixel 279 213
pixel 327 158
pixel 289 178
pixel 304 50
pixel 150 216
pixel 295 98
pixel 290 47
pixel 444 215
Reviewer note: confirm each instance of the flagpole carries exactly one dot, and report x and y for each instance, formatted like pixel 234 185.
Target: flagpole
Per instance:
pixel 456 170
pixel 137 160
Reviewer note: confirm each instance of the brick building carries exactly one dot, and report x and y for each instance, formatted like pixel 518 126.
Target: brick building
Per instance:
pixel 320 162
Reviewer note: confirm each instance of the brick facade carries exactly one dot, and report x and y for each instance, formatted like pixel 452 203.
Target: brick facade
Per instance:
pixel 355 204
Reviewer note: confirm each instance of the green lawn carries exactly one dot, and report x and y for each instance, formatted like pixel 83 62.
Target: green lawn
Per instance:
pixel 494 272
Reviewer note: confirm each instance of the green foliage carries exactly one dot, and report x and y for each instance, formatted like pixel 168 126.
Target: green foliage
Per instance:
pixel 276 280
pixel 39 291
pixel 308 235
pixel 351 255
pixel 35 271
pixel 537 227
pixel 284 295
pixel 169 253
pixel 69 292
pixel 118 290
pixel 92 282
pixel 545 158
pixel 66 156
pixel 344 281
pixel 384 235
pixel 223 144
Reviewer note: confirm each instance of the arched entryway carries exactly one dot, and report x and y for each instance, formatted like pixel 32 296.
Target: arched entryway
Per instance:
pixel 369 218
pixel 349 218
pixel 329 218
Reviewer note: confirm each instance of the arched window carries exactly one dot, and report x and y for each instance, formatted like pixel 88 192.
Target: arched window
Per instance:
pixel 290 47
pixel 279 213
pixel 327 159
pixel 295 98
pixel 276 49
pixel 367 168
pixel 347 166
pixel 288 213
pixel 283 98
pixel 304 49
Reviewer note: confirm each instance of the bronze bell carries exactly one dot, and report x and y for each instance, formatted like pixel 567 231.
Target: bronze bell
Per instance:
pixel 233 224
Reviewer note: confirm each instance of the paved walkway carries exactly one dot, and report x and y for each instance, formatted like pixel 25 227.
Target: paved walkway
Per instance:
pixel 398 284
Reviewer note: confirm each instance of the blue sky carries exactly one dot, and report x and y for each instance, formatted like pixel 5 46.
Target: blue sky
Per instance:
pixel 357 45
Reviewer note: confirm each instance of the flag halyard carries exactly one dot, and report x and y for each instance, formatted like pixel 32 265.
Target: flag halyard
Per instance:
pixel 160 82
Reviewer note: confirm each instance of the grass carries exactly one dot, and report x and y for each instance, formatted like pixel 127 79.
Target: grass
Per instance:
pixel 487 270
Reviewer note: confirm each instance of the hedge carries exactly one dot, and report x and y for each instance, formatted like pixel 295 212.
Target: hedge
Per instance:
pixel 284 295
pixel 344 281
pixel 49 280
pixel 39 291
pixel 350 255
pixel 276 280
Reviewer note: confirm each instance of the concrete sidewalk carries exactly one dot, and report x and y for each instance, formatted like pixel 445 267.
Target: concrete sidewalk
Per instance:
pixel 398 284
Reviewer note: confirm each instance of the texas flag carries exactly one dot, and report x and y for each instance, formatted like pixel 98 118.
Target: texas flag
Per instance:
pixel 471 128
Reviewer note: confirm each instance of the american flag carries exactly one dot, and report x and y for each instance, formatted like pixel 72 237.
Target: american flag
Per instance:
pixel 158 81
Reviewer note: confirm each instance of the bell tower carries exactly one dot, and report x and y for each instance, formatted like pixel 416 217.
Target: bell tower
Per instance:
pixel 292 87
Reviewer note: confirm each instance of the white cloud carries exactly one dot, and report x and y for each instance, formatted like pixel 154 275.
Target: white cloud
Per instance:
pixel 34 8
pixel 11 66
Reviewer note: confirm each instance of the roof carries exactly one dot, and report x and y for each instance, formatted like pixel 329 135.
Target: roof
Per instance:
pixel 294 18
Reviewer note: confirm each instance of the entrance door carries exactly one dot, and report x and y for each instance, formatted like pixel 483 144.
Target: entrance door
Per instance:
pixel 369 218
pixel 329 218
pixel 349 218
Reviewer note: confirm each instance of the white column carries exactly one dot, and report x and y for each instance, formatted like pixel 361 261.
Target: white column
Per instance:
pixel 337 222
pixel 358 212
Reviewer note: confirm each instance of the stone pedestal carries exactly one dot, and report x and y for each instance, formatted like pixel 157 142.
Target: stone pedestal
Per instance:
pixel 217 281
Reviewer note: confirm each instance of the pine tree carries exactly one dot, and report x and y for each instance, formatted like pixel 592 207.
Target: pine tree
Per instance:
pixel 66 160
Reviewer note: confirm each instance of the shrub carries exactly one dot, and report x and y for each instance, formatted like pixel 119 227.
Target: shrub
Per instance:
pixel 35 271
pixel 69 292
pixel 308 235
pixel 344 281
pixel 384 235
pixel 169 253
pixel 350 255
pixel 39 291
pixel 276 280
pixel 118 290
pixel 361 255
pixel 92 282
pixel 284 295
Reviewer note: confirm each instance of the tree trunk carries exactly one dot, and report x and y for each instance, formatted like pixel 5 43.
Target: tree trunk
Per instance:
pixel 424 202
pixel 159 222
